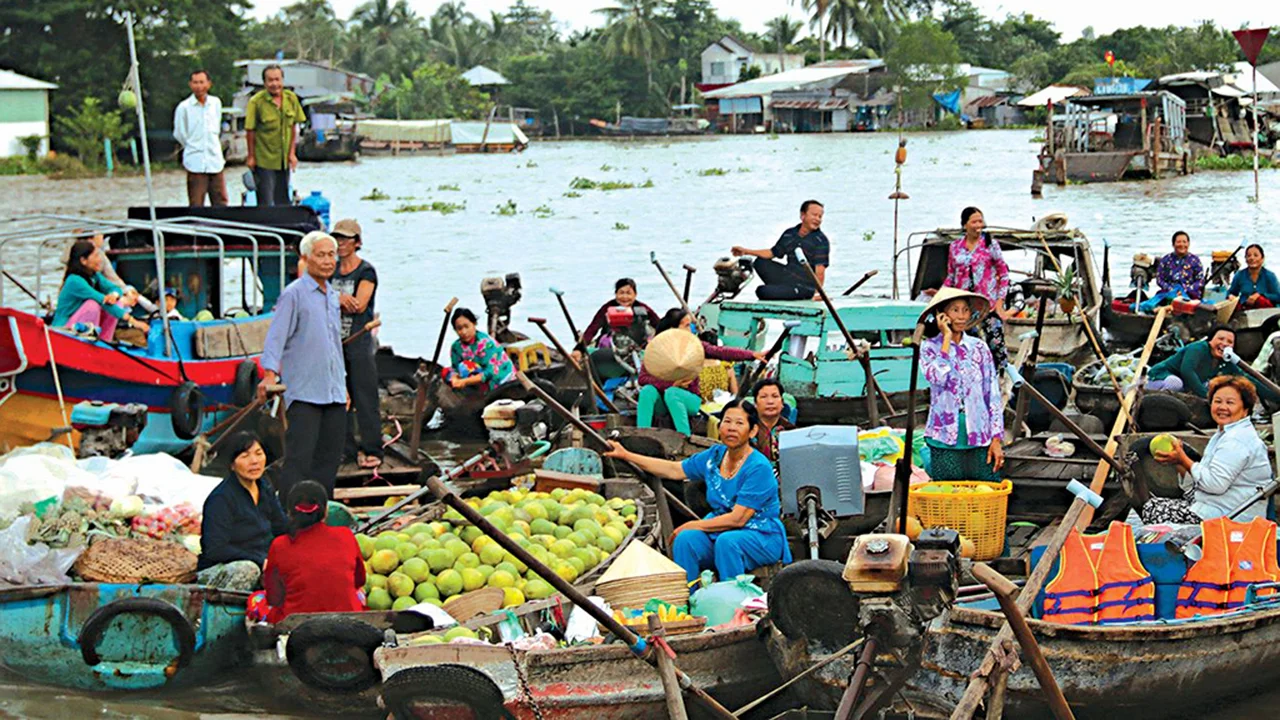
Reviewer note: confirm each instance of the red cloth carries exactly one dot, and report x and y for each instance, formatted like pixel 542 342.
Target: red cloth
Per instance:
pixel 1260 303
pixel 319 571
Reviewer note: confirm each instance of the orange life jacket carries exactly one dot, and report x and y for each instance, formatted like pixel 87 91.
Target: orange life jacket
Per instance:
pixel 1236 555
pixel 1100 580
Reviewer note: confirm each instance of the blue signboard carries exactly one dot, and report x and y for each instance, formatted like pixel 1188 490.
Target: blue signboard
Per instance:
pixel 1118 85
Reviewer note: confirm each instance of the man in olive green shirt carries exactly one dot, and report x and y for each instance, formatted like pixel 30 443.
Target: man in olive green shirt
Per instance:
pixel 271 121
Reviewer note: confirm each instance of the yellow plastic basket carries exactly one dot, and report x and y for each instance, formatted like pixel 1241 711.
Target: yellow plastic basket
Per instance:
pixel 977 516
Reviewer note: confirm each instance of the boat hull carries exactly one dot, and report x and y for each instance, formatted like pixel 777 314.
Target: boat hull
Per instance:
pixel 97 372
pixel 44 626
pixel 592 682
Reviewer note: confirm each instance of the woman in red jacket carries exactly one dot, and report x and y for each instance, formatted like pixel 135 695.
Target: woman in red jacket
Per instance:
pixel 315 567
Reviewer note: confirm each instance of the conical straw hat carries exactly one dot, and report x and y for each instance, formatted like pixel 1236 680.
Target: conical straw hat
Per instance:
pixel 639 560
pixel 977 303
pixel 674 355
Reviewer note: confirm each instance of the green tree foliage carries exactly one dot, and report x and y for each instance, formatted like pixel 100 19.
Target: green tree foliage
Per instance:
pixel 84 128
pixel 781 32
pixel 922 61
pixel 435 90
pixel 81 46
pixel 306 29
pixel 632 29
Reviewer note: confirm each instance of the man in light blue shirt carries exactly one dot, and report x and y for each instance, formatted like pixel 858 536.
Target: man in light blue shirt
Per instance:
pixel 304 349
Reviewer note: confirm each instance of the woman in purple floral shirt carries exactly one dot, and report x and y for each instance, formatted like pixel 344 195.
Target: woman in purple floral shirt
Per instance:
pixel 975 263
pixel 477 359
pixel 966 412
pixel 1179 274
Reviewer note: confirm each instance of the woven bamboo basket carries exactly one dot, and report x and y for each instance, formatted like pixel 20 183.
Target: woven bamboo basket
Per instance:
pixel 136 560
pixel 635 592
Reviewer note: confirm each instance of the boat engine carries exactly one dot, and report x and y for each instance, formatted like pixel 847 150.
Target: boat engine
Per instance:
pixel 516 426
pixel 901 585
pixel 820 475
pixel 1224 267
pixel 628 331
pixel 107 429
pixel 500 295
pixel 1143 271
pixel 731 275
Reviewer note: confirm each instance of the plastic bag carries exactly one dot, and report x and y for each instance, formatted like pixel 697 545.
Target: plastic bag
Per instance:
pixel 23 564
pixel 879 446
pixel 163 480
pixel 581 626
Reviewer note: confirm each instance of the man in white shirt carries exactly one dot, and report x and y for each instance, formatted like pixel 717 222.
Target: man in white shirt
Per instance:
pixel 197 125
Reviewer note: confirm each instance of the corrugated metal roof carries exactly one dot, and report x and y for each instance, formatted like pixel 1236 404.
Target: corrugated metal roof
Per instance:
pixel 10 80
pixel 481 75
pixel 825 75
pixel 987 101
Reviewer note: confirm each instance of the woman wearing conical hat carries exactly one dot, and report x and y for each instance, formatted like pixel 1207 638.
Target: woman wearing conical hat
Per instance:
pixel 966 410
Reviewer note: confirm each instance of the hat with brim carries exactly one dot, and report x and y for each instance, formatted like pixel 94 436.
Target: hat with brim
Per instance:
pixel 977 303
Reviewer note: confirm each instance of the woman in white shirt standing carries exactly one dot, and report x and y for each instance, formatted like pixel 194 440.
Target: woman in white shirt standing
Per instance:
pixel 197 125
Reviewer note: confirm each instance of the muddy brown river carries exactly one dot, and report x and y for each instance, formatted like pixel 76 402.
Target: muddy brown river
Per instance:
pixel 706 196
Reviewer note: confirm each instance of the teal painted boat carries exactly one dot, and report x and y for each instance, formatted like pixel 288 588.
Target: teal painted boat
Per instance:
pixel 103 637
pixel 813 365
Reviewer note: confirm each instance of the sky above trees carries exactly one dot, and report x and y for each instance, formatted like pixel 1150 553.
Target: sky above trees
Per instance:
pixel 1070 19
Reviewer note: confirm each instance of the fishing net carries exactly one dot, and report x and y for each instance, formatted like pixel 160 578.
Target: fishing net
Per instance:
pixel 136 560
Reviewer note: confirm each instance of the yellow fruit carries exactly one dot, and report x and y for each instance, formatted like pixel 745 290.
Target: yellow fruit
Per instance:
pixel 1162 443
pixel 511 597
pixel 502 579
pixel 914 527
pixel 472 579
pixel 967 548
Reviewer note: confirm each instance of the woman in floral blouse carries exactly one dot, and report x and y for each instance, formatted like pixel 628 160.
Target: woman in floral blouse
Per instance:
pixel 966 412
pixel 975 263
pixel 1179 274
pixel 477 359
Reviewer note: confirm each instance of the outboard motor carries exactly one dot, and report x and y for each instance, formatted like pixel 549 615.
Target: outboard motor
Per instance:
pixel 628 331
pixel 515 426
pixel 500 295
pixel 107 429
pixel 1224 267
pixel 732 274
pixel 820 475
pixel 1141 274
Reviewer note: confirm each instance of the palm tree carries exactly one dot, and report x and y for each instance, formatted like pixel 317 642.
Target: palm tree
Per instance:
pixel 869 22
pixel 632 29
pixel 782 31
pixel 819 8
pixel 382 17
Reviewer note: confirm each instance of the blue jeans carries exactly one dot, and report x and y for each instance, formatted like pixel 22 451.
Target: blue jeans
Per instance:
pixel 730 553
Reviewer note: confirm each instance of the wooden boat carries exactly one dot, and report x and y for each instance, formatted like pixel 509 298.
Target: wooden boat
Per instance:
pixel 333 672
pixel 1036 256
pixel 92 636
pixel 827 385
pixel 188 379
pixel 330 131
pixel 1107 138
pixel 576 683
pixel 1099 400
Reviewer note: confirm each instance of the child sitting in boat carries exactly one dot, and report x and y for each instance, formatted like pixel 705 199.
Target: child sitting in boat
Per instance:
pixel 88 297
pixel 314 567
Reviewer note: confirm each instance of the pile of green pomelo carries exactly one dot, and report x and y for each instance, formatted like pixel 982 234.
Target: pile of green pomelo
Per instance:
pixel 570 531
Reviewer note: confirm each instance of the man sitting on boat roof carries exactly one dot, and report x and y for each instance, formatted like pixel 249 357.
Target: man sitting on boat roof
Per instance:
pixel 1179 274
pixel 788 280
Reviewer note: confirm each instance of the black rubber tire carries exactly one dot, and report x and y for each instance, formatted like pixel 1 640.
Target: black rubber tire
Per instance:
pixel 91 631
pixel 809 600
pixel 1162 411
pixel 186 410
pixel 326 638
pixel 246 384
pixel 448 682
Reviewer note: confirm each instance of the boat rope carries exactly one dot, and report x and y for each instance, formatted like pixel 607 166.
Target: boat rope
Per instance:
pixel 526 696
pixel 57 385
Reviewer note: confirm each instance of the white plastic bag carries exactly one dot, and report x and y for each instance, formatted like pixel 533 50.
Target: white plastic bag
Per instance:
pixel 23 564
pixel 581 626
pixel 163 480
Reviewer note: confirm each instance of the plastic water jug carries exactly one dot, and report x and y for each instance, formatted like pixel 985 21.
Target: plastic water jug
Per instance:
pixel 320 204
pixel 717 602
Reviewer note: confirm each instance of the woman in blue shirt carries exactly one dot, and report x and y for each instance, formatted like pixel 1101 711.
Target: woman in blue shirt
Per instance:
pixel 744 529
pixel 88 297
pixel 1255 285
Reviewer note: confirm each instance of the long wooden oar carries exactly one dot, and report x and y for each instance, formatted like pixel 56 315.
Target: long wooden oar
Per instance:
pixel 425 383
pixel 653 258
pixel 596 389
pixel 370 326
pixel 642 649
pixel 453 474
pixel 760 365
pixel 1079 514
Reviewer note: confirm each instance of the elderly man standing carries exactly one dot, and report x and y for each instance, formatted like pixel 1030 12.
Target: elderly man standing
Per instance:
pixel 304 349
pixel 271 121
pixel 197 125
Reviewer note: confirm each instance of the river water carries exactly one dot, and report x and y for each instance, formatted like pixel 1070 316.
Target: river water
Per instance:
pixel 692 214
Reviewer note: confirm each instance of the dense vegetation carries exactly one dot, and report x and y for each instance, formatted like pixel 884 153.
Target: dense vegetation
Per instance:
pixel 644 58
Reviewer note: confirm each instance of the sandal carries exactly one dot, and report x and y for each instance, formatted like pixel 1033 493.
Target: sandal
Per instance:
pixel 369 462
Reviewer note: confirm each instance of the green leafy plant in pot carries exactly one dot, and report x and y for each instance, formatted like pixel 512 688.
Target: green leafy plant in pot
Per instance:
pixel 1064 286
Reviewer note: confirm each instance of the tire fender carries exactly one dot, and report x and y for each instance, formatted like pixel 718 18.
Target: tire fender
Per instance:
pixel 186 410
pixel 810 600
pixel 446 682
pixel 246 383
pixel 331 637
pixel 91 631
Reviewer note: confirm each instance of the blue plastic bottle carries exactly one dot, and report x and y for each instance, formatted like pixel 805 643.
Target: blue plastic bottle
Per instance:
pixel 320 204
